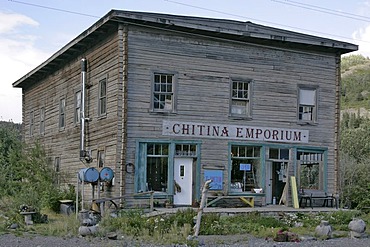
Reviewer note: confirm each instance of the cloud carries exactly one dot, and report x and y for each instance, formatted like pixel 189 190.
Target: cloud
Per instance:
pixel 9 21
pixel 362 38
pixel 19 55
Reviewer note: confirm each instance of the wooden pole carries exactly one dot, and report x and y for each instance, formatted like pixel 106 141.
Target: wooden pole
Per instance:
pixel 201 206
pixel 77 192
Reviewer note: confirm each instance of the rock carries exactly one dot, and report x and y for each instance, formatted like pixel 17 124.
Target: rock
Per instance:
pixel 112 235
pixel 14 226
pixel 324 230
pixel 357 228
pixel 357 225
pixel 87 230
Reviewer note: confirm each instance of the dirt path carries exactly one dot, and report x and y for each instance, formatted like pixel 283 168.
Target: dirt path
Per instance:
pixel 29 240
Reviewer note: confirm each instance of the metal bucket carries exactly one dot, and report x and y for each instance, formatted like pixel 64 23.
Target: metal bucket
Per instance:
pixel 88 175
pixel 106 174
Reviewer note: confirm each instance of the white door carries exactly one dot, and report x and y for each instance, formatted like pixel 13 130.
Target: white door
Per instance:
pixel 269 182
pixel 183 171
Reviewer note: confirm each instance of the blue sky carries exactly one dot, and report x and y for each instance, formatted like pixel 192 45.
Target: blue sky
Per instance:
pixel 31 31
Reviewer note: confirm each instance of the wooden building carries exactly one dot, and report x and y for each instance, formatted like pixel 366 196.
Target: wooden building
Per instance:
pixel 169 101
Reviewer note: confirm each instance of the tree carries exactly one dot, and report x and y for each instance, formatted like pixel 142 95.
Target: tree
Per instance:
pixel 355 182
pixel 355 140
pixel 26 175
pixel 10 154
pixel 355 161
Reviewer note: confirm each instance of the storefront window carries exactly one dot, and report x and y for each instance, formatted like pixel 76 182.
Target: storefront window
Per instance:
pixel 310 170
pixel 157 167
pixel 245 168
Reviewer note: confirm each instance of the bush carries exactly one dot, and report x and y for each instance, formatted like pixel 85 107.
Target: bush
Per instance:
pixel 26 175
pixel 355 182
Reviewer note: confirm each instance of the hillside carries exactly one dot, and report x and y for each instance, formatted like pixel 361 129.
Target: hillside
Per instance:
pixel 355 97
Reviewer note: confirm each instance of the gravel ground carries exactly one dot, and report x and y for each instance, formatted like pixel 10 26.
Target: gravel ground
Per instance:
pixel 10 240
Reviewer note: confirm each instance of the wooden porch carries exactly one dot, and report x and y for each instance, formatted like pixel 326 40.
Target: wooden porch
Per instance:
pixel 269 209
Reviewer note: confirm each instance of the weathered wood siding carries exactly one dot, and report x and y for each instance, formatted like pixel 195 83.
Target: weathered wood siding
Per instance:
pixel 204 68
pixel 101 132
pixel 128 57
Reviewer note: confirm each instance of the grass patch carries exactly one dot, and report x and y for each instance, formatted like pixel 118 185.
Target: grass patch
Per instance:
pixel 175 228
pixel 58 225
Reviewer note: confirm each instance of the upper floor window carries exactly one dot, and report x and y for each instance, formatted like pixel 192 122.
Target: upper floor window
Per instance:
pixel 31 123
pixel 102 105
pixel 240 98
pixel 307 109
pixel 163 99
pixel 42 120
pixel 77 115
pixel 62 111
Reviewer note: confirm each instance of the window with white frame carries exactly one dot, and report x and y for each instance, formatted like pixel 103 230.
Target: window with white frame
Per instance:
pixel 163 99
pixel 77 114
pixel 245 168
pixel 62 113
pixel 157 166
pixel 42 120
pixel 102 104
pixel 32 123
pixel 240 98
pixel 307 109
pixel 189 150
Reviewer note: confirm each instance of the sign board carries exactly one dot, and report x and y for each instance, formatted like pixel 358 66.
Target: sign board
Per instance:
pixel 217 178
pixel 236 132
pixel 245 167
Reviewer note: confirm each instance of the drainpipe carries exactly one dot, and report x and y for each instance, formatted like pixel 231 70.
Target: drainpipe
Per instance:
pixel 82 109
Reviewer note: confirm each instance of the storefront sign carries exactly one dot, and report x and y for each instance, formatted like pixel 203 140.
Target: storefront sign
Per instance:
pixel 245 167
pixel 216 177
pixel 236 132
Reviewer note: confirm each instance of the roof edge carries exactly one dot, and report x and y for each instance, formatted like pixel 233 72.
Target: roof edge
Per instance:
pixel 231 28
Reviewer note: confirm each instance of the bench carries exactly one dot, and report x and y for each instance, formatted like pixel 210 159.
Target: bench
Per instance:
pixel 247 199
pixel 309 196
